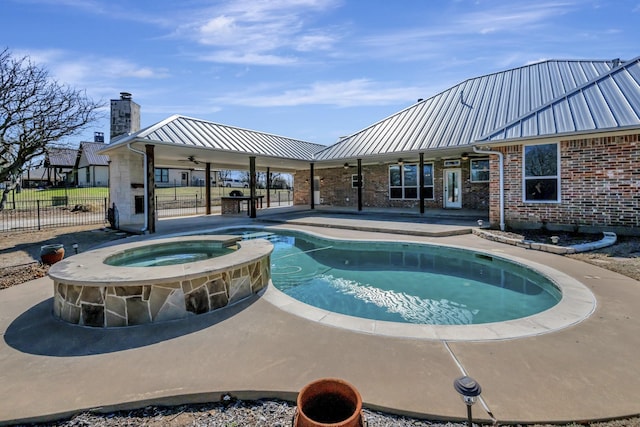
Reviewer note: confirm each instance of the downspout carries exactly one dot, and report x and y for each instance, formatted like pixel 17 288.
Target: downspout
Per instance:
pixel 501 166
pixel 146 184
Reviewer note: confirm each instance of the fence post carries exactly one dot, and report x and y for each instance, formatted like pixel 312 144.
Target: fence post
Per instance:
pixel 106 209
pixel 38 209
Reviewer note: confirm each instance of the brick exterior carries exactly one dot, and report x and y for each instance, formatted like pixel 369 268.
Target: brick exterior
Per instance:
pixel 335 188
pixel 600 187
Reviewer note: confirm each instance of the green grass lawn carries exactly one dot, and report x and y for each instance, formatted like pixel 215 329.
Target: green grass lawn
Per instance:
pixel 31 194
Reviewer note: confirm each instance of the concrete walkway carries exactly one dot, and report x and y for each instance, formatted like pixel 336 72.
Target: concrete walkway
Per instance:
pixel 584 372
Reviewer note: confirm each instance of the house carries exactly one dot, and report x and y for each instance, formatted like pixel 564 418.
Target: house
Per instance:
pixel 555 144
pixel 60 163
pixel 92 168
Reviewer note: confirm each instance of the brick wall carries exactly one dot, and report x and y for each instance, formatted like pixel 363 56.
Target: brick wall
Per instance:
pixel 335 188
pixel 600 187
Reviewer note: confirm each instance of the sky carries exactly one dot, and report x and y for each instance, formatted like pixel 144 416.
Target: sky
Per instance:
pixel 313 70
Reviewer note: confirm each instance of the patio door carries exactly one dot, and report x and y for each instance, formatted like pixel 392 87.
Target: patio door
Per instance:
pixel 452 186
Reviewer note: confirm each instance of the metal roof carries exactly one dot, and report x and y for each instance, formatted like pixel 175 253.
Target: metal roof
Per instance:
pixel 61 157
pixel 90 151
pixel 476 107
pixel 609 101
pixel 187 131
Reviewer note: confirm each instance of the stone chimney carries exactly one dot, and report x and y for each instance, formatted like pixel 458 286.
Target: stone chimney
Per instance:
pixel 125 115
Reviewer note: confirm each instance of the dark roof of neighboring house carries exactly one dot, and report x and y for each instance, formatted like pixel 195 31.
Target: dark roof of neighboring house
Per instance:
pixel 61 157
pixel 181 130
pixel 504 103
pixel 90 151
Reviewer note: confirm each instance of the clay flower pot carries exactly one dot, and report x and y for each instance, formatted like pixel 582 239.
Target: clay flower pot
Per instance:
pixel 329 402
pixel 50 254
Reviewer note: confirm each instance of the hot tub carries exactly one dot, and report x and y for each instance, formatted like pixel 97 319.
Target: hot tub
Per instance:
pixel 90 292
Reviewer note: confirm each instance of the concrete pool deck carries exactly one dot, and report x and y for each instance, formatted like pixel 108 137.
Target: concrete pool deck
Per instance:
pixel 587 371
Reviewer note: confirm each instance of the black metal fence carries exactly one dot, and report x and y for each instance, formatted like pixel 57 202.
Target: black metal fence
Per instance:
pixel 68 210
pixel 57 211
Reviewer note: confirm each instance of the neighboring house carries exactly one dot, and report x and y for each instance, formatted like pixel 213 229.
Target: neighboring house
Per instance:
pixel 60 164
pixel 555 144
pixel 92 168
pixel 33 178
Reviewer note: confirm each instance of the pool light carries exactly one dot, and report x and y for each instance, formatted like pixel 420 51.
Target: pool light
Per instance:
pixel 469 390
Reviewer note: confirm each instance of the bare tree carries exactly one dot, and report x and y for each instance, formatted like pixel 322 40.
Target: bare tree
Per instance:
pixel 35 113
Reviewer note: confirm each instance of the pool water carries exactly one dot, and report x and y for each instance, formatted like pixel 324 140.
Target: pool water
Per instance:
pixel 408 283
pixel 168 254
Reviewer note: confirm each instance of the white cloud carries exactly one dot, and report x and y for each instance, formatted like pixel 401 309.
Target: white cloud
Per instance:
pixel 351 93
pixel 68 67
pixel 512 17
pixel 269 32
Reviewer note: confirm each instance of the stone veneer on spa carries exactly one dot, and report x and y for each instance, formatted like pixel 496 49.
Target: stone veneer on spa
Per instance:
pixel 89 294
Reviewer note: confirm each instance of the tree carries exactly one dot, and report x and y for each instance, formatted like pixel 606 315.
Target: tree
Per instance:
pixel 36 112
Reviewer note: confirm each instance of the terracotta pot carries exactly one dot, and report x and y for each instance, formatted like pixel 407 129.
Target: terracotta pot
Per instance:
pixel 50 254
pixel 329 402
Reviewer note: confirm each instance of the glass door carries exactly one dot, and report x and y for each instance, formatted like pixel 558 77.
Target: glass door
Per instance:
pixel 452 185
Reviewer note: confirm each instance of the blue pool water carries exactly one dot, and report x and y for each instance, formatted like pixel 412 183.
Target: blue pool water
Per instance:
pixel 408 283
pixel 167 254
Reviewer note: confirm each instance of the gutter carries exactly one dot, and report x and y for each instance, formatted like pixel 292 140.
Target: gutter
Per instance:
pixel 146 185
pixel 501 160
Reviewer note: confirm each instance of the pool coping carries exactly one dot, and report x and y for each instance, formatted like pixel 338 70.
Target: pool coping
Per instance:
pixel 576 305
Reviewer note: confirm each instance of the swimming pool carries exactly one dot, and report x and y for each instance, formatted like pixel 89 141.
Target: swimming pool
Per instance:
pixel 404 282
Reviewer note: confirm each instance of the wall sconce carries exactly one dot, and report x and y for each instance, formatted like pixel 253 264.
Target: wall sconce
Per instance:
pixel 306 181
pixel 465 156
pixel 321 180
pixel 346 166
pixel 400 162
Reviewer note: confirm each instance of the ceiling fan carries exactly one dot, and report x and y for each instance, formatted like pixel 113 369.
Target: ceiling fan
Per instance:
pixel 191 159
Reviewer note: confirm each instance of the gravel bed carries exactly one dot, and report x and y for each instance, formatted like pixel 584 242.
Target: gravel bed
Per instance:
pixel 237 413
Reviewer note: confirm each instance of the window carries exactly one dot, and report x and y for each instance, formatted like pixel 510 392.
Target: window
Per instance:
pixel 354 181
pixel 480 170
pixel 541 174
pixel 403 181
pixel 427 180
pixel 162 175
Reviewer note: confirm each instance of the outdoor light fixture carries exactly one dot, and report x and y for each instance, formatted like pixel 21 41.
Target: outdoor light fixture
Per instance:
pixel 480 222
pixel 469 390
pixel 346 166
pixel 75 247
pixel 465 156
pixel 400 162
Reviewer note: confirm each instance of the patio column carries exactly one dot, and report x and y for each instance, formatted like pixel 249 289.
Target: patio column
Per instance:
pixel 207 191
pixel 268 185
pixel 151 188
pixel 252 186
pixel 311 189
pixel 359 184
pixel 421 182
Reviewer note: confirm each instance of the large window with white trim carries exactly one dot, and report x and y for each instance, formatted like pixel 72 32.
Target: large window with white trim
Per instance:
pixel 541 173
pixel 403 181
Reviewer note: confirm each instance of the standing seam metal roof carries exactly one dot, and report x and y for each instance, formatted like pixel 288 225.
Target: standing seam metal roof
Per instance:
pixel 609 101
pixel 90 151
pixel 468 111
pixel 181 130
